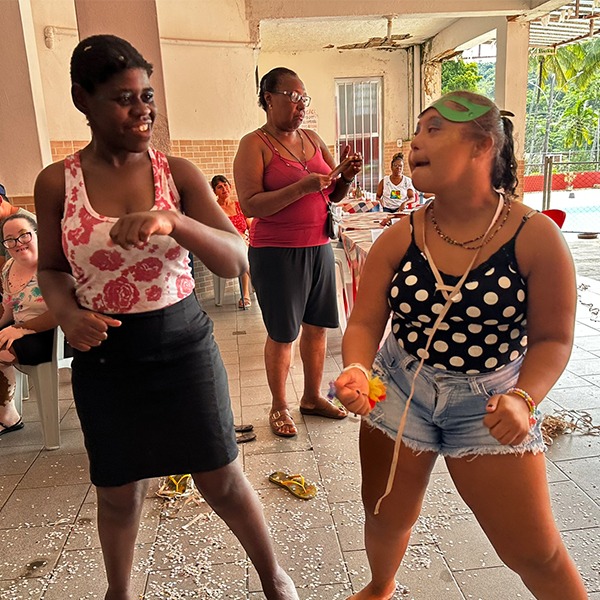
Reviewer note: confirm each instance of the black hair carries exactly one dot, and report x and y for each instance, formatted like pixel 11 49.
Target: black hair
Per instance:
pixel 97 58
pixel 270 82
pixel 17 215
pixel 500 128
pixel 214 182
pixel 398 155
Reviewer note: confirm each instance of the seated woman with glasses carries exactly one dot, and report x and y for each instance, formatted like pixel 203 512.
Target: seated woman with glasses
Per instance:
pixel 6 209
pixel 26 326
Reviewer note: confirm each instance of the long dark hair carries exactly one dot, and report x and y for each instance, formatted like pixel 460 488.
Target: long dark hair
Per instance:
pixel 97 58
pixel 270 82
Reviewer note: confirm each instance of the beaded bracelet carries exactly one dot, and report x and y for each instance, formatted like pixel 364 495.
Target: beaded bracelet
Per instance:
pixel 345 179
pixel 528 400
pixel 377 390
pixel 360 367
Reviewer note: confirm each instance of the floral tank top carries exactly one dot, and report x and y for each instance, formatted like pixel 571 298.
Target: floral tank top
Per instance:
pixel 110 279
pixel 26 303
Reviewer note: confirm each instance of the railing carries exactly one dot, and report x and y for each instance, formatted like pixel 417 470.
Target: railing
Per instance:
pixel 570 186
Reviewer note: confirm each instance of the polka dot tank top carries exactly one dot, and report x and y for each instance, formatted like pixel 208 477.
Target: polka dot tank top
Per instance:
pixel 484 330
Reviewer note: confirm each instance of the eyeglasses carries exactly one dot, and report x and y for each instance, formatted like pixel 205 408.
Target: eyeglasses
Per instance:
pixel 295 97
pixel 2 190
pixel 24 238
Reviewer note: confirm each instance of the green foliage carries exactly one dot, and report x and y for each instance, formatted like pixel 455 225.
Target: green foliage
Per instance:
pixel 459 75
pixel 563 102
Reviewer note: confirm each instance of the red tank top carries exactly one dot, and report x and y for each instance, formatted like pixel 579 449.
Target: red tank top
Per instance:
pixel 302 223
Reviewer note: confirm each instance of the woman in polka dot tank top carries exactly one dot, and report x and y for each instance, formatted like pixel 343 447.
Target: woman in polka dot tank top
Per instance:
pixel 481 292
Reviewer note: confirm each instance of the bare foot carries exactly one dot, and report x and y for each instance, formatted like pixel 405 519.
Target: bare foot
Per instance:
pixel 281 588
pixel 370 593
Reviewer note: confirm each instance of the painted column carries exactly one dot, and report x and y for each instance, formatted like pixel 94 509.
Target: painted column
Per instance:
pixel 137 22
pixel 512 39
pixel 23 131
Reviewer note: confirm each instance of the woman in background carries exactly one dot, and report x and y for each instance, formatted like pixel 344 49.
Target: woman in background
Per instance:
pixel 26 326
pixel 222 188
pixel 285 177
pixel 396 192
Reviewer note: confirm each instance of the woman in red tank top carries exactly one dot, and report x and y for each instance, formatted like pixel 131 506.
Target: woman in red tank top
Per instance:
pixel 222 188
pixel 285 177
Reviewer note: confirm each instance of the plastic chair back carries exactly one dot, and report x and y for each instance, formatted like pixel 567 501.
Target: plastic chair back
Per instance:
pixel 557 215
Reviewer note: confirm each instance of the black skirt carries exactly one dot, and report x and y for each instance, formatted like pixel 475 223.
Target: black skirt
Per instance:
pixel 153 399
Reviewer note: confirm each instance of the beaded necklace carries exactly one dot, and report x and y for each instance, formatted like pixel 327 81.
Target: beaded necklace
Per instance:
pixel 465 244
pixel 303 163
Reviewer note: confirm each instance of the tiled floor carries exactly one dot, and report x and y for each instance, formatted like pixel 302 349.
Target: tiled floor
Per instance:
pixel 49 546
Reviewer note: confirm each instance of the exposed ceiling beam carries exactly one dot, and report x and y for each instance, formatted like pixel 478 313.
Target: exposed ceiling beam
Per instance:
pixel 267 9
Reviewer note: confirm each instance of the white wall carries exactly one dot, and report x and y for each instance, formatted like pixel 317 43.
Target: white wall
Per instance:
pixel 210 72
pixel 65 122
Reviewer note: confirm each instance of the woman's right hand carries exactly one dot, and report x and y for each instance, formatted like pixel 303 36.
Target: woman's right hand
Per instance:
pixel 315 182
pixel 352 390
pixel 85 329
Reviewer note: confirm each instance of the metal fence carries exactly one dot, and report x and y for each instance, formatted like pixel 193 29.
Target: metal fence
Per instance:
pixel 570 186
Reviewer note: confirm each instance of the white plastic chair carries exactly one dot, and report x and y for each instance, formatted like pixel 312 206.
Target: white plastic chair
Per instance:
pixel 219 284
pixel 341 295
pixel 45 381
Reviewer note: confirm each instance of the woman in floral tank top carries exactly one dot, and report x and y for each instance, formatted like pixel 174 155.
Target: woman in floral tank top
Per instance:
pixel 117 221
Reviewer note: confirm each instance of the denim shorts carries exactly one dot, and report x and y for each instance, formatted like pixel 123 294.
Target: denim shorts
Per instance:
pixel 447 409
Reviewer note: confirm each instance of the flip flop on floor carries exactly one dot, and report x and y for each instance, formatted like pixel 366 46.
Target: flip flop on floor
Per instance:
pixel 295 484
pixel 328 410
pixel 241 438
pixel 10 428
pixel 243 428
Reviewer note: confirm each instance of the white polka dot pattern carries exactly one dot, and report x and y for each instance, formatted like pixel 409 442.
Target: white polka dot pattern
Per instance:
pixel 485 327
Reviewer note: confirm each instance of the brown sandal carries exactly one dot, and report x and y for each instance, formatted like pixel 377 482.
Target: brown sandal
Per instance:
pixel 281 421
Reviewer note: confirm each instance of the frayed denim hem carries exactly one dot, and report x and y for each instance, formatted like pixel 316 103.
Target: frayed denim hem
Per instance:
pixel 473 452
pixel 416 447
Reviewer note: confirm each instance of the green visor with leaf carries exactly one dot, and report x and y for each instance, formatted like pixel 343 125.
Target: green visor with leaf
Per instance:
pixel 459 109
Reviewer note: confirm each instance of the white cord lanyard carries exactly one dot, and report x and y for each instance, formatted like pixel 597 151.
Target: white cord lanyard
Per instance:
pixel 449 293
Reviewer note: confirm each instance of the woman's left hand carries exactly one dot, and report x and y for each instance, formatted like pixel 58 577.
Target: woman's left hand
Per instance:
pixel 507 419
pixel 9 334
pixel 351 163
pixel 134 230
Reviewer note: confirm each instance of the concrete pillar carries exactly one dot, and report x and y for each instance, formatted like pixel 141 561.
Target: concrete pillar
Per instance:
pixel 23 131
pixel 137 22
pixel 512 53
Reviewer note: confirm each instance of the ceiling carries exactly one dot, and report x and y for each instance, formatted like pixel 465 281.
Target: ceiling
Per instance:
pixel 574 21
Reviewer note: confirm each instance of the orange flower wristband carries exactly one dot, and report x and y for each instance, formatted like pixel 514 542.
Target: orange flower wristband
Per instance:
pixel 376 386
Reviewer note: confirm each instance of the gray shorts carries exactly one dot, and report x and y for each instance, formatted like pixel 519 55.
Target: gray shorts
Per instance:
pixel 294 286
pixel 447 409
